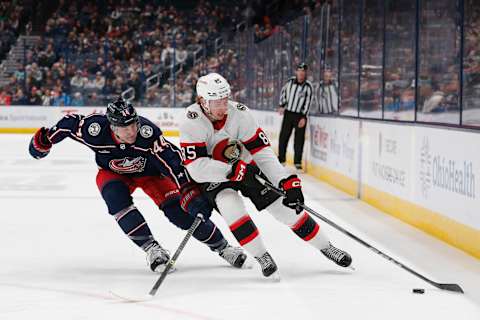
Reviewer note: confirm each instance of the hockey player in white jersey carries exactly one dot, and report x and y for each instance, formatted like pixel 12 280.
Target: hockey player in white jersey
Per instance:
pixel 224 148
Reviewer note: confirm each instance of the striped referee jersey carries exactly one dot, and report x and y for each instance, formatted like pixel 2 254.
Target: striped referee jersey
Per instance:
pixel 328 97
pixel 296 97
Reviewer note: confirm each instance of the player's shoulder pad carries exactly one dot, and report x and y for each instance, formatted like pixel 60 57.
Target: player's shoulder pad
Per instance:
pixel 238 106
pixel 148 132
pixel 94 126
pixel 193 112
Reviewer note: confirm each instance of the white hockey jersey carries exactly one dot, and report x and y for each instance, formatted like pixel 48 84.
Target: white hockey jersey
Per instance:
pixel 203 143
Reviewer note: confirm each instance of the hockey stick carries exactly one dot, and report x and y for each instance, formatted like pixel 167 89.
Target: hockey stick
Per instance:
pixel 172 260
pixel 444 286
pixel 169 265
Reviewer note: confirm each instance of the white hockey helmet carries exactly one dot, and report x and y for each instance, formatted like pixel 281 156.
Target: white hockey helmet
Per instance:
pixel 213 87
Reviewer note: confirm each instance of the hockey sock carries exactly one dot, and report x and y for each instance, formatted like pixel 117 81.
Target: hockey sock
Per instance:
pixel 308 229
pixel 246 233
pixel 302 224
pixel 233 210
pixel 208 233
pixel 135 227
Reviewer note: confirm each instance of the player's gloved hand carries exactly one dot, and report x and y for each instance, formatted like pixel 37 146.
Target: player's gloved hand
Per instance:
pixel 293 192
pixel 243 172
pixel 40 145
pixel 193 201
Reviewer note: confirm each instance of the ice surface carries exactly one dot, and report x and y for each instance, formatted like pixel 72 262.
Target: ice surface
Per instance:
pixel 61 254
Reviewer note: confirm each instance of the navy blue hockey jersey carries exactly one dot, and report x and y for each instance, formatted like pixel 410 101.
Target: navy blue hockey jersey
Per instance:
pixel 150 155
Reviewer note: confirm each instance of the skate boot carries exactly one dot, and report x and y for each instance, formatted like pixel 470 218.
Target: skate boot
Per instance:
pixel 233 255
pixel 338 256
pixel 268 265
pixel 157 257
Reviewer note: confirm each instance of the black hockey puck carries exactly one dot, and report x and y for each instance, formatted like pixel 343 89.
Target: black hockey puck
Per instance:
pixel 420 291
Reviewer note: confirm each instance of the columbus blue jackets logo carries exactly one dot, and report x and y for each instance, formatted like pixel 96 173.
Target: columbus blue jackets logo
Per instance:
pixel 146 131
pixel 128 165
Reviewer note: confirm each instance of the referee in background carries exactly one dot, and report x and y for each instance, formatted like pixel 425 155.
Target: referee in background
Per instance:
pixel 295 101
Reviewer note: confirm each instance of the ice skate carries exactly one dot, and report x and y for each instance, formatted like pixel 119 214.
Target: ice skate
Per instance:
pixel 157 258
pixel 269 267
pixel 234 256
pixel 338 256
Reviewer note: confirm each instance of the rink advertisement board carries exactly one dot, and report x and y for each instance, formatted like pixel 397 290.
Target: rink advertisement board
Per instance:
pixel 387 160
pixel 28 119
pixel 334 152
pixel 436 169
pixel 447 169
pixel 426 177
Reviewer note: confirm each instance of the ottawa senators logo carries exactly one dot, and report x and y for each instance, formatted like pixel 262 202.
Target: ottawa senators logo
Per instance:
pixel 227 151
pixel 241 107
pixel 128 165
pixel 192 115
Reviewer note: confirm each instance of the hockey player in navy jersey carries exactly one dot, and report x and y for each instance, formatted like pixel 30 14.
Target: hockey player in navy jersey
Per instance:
pixel 131 153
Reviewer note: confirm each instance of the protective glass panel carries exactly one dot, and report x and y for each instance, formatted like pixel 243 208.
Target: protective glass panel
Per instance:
pixel 471 64
pixel 439 64
pixel 371 80
pixel 399 100
pixel 349 44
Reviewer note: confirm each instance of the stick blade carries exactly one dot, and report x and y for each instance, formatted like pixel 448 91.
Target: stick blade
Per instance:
pixel 449 287
pixel 131 298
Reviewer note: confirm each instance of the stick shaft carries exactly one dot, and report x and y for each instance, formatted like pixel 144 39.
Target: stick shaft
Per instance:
pixel 172 260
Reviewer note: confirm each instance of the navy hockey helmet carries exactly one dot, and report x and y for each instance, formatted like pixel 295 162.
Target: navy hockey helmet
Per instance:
pixel 121 113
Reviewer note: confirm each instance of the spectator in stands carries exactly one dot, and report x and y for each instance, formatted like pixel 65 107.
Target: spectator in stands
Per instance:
pixel 36 73
pixel 98 67
pixel 93 100
pixel 19 99
pixel 167 55
pixel 99 81
pixel 78 81
pixel 77 100
pixel 19 74
pixel 60 98
pixel 5 97
pixel 35 97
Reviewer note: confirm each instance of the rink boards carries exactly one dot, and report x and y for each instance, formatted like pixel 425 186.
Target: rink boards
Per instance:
pixel 425 176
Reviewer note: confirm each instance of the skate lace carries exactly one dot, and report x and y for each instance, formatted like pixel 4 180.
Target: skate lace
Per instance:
pixel 230 254
pixel 333 253
pixel 265 260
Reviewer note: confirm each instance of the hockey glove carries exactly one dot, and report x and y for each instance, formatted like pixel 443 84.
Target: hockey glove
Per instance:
pixel 40 145
pixel 193 202
pixel 293 192
pixel 244 172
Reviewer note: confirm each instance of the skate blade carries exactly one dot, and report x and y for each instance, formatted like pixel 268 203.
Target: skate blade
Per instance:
pixel 274 277
pixel 162 267
pixel 351 268
pixel 248 264
pixel 131 298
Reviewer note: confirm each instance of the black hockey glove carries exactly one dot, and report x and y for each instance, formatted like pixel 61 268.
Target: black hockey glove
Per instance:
pixel 40 145
pixel 293 192
pixel 193 201
pixel 244 173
